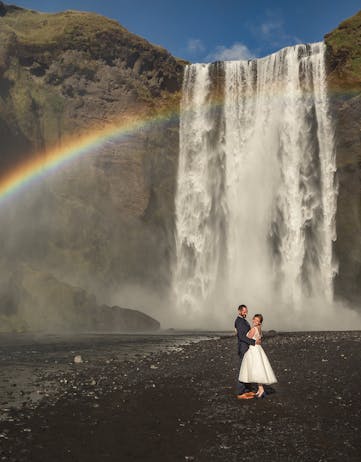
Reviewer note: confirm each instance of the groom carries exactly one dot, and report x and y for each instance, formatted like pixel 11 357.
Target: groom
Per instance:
pixel 241 327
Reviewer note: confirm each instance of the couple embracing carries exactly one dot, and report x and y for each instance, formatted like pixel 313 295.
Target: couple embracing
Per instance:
pixel 255 366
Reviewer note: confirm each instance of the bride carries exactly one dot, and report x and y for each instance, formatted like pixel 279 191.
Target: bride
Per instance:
pixel 255 367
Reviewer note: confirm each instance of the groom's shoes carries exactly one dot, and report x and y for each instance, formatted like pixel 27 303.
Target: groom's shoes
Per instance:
pixel 248 395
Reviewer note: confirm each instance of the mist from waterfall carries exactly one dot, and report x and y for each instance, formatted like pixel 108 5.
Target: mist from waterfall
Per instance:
pixel 256 191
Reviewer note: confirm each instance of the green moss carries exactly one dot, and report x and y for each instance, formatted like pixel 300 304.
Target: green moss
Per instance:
pixel 83 68
pixel 37 108
pixel 346 33
pixel 88 32
pixel 42 28
pixel 356 65
pixel 344 52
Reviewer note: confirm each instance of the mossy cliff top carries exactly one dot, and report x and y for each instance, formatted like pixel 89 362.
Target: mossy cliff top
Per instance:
pixel 39 39
pixel 72 30
pixel 63 73
pixel 344 55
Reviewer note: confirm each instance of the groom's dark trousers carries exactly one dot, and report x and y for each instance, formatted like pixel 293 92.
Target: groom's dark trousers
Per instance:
pixel 242 326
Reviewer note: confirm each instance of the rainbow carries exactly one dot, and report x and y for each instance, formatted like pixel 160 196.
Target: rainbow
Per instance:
pixel 48 161
pixel 74 147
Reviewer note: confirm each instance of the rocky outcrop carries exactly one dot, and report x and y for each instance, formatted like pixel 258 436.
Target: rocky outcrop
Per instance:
pixel 344 76
pixel 33 300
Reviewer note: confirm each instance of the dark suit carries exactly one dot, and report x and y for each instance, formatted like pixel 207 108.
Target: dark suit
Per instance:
pixel 242 326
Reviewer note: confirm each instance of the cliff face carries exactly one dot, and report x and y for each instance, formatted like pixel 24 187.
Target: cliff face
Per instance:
pixel 105 221
pixel 62 73
pixel 344 75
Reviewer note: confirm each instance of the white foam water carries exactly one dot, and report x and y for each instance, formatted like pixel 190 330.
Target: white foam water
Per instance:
pixel 256 192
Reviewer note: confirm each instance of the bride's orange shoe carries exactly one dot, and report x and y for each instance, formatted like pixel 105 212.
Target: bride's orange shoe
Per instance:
pixel 248 395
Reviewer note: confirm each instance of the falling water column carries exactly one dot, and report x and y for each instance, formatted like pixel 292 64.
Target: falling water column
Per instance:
pixel 256 198
pixel 199 208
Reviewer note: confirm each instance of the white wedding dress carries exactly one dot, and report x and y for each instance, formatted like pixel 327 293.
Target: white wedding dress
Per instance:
pixel 255 367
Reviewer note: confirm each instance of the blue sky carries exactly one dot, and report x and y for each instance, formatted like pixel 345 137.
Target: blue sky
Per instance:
pixel 207 30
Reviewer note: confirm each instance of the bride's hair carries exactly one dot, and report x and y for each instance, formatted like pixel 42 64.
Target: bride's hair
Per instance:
pixel 259 316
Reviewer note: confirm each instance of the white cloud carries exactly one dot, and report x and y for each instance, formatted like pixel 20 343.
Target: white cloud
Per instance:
pixel 271 27
pixel 272 31
pixel 195 46
pixel 238 51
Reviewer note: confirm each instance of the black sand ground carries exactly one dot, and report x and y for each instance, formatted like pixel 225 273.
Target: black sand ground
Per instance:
pixel 181 406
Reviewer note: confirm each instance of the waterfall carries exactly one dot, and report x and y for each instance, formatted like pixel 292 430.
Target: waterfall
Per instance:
pixel 256 194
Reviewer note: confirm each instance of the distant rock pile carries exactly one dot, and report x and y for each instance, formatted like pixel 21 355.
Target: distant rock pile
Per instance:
pixel 37 301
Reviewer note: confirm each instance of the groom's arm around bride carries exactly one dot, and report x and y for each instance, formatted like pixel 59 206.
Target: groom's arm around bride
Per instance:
pixel 242 327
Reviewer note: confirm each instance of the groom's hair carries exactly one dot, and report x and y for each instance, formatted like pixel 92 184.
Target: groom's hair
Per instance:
pixel 241 306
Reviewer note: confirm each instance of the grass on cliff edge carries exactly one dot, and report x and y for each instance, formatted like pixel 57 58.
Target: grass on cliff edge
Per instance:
pixel 345 43
pixel 68 28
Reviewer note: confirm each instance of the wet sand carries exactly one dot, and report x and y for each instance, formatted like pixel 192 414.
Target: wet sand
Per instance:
pixel 180 405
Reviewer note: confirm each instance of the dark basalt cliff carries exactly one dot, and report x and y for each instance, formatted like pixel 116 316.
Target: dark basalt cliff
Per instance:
pixel 105 221
pixel 344 75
